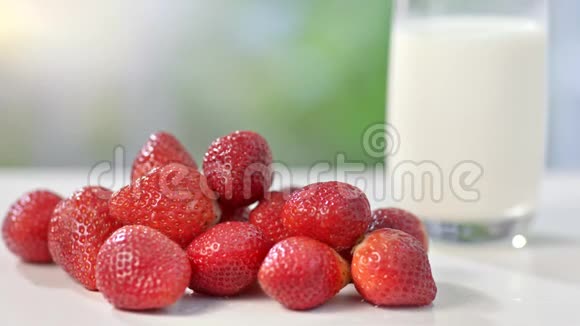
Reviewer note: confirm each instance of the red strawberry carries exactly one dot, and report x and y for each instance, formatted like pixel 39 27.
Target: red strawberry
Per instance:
pixel 225 259
pixel 302 273
pixel 391 268
pixel 239 214
pixel 161 149
pixel 25 228
pixel 139 268
pixel 238 168
pixel 333 212
pixel 395 218
pixel 79 226
pixel 266 216
pixel 173 199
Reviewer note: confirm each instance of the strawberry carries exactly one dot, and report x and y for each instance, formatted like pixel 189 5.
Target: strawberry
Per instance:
pixel 395 218
pixel 173 199
pixel 161 149
pixel 25 228
pixel 231 214
pixel 225 259
pixel 78 227
pixel 302 273
pixel 266 216
pixel 139 268
pixel 391 268
pixel 335 213
pixel 238 168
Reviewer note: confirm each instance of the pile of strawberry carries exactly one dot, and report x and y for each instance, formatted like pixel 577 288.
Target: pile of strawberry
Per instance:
pixel 175 228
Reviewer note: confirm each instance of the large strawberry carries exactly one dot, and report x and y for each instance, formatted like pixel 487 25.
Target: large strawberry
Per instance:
pixel 139 268
pixel 333 212
pixel 302 273
pixel 160 149
pixel 238 168
pixel 391 268
pixel 226 258
pixel 25 228
pixel 79 226
pixel 173 199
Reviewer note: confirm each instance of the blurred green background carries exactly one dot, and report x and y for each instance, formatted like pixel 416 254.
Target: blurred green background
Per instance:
pixel 79 78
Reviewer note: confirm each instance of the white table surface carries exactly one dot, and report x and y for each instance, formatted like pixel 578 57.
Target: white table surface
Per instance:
pixel 478 285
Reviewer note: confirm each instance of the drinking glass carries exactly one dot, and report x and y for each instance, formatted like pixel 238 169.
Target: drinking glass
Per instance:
pixel 467 99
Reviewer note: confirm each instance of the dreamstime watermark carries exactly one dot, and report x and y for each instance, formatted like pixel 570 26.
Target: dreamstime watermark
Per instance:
pixel 404 179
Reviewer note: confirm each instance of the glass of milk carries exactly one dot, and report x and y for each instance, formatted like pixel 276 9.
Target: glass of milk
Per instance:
pixel 467 103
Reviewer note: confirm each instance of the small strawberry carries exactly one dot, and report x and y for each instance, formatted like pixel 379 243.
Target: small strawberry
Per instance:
pixel 334 212
pixel 79 226
pixel 239 214
pixel 391 268
pixel 139 268
pixel 395 218
pixel 302 273
pixel 226 258
pixel 267 216
pixel 173 199
pixel 25 228
pixel 161 149
pixel 238 168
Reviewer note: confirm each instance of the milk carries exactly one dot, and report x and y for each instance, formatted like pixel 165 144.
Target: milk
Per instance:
pixel 468 93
